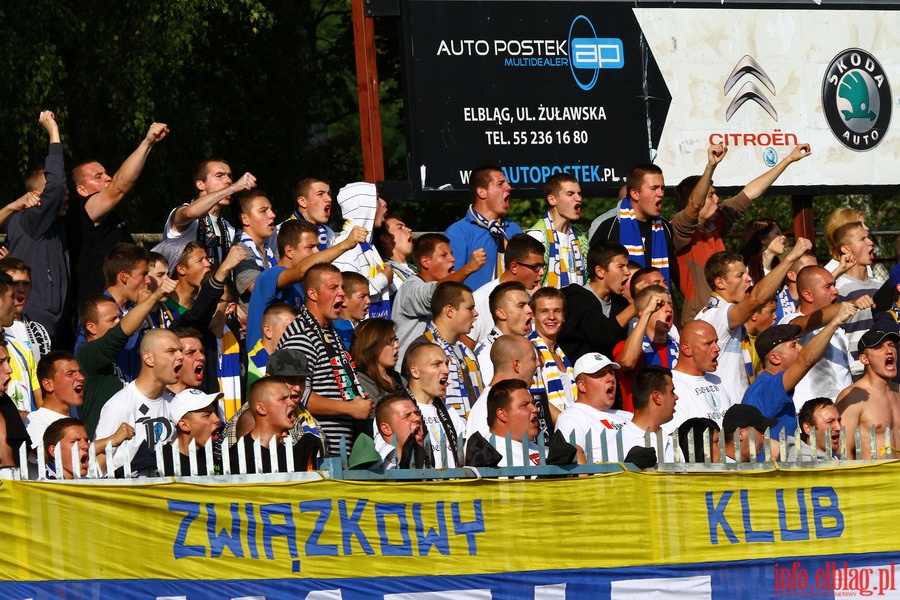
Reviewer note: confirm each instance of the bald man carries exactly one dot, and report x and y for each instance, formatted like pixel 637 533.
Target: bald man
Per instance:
pixel 143 403
pixel 700 391
pixel 818 297
pixel 513 357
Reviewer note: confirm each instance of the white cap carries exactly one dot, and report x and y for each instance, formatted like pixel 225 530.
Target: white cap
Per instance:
pixel 592 362
pixel 189 400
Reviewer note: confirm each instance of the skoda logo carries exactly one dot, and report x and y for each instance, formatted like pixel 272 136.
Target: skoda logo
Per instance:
pixel 856 99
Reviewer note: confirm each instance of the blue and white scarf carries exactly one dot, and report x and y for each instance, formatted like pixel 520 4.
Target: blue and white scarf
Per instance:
pixel 651 356
pixel 464 384
pixel 630 237
pixel 323 231
pixel 261 262
pixel 497 231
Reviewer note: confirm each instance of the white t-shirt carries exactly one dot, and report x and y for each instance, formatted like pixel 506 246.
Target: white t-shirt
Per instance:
pixel 698 396
pixel 632 436
pixel 517 459
pixel 437 434
pixel 483 354
pixel 732 369
pixel 484 322
pixel 831 373
pixel 477 420
pixel 37 422
pixel 149 417
pixel 190 231
pixel 603 424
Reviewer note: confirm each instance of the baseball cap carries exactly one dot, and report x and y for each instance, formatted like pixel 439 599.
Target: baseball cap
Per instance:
pixel 774 335
pixel 592 362
pixel 189 400
pixel 172 250
pixel 873 337
pixel 745 415
pixel 288 363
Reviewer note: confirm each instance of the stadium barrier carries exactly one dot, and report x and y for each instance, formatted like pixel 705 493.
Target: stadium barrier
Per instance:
pixel 786 451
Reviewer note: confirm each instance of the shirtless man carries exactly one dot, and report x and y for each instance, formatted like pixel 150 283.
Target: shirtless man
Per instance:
pixel 872 401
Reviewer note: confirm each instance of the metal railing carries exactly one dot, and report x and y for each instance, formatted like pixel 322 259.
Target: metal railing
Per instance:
pixel 791 452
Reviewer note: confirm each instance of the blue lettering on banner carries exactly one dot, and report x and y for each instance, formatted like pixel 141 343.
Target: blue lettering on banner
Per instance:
pixel 273 530
pixel 831 512
pixel 540 173
pixel 431 539
pixel 382 511
pixel 400 529
pixel 828 519
pixel 350 527
pixel 717 518
pixel 221 540
pixel 313 547
pixel 792 535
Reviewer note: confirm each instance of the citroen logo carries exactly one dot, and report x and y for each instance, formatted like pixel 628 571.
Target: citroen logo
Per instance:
pixel 749 90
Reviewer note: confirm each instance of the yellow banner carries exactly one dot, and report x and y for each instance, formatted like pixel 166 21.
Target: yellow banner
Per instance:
pixel 333 529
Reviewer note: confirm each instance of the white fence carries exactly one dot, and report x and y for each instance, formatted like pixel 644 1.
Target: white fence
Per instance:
pixel 790 452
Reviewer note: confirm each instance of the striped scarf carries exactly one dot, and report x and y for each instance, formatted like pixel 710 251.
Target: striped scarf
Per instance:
pixel 216 244
pixel 229 372
pixel 651 356
pixel 559 382
pixel 464 385
pixel 263 262
pixel 746 350
pixel 402 271
pixel 373 260
pixel 894 311
pixel 498 232
pixel 630 237
pixel 323 231
pixel 565 259
pixel 342 367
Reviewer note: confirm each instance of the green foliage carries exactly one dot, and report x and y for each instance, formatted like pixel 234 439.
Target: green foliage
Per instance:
pixel 270 85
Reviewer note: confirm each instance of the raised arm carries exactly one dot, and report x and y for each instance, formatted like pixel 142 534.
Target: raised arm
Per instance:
pixel 102 203
pixel 815 348
pixel 758 186
pixel 632 354
pixel 23 202
pixel 476 261
pixel 815 320
pixel 200 207
pixel 36 222
pixel 766 289
pixel 131 322
pixel 714 155
pixel 294 274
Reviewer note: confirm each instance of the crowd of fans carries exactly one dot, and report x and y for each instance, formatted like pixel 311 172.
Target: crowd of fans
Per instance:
pixel 240 326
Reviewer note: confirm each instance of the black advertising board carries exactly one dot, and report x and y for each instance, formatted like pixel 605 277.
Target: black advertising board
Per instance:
pixel 535 87
pixel 593 88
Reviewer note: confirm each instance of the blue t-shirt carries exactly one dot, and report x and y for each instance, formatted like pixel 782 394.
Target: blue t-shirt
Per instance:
pixel 266 292
pixel 768 395
pixel 467 236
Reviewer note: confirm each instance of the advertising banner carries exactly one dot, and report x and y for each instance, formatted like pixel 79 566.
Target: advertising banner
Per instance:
pixel 594 88
pixel 536 87
pixel 761 81
pixel 615 536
